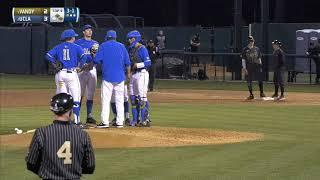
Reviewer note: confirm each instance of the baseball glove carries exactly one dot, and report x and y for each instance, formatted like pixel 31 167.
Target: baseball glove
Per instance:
pixel 87 66
pixel 57 66
pixel 94 49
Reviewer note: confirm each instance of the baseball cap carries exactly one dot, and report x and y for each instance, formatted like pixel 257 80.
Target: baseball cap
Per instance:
pixel 68 33
pixel 112 34
pixel 87 26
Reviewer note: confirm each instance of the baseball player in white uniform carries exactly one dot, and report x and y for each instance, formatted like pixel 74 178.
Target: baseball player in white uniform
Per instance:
pixel 69 55
pixel 115 66
pixel 88 77
pixel 126 106
pixel 140 61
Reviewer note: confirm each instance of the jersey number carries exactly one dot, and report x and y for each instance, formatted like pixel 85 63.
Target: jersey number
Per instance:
pixel 66 54
pixel 64 152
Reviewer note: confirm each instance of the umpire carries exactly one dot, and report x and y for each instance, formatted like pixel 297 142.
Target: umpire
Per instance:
pixel 279 69
pixel 314 53
pixel 252 66
pixel 61 150
pixel 153 53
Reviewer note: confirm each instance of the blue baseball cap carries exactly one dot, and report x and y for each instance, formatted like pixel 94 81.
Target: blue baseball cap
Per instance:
pixel 134 34
pixel 68 33
pixel 87 26
pixel 111 34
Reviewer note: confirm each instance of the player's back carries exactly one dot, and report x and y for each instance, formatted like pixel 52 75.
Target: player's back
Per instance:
pixel 68 53
pixel 63 150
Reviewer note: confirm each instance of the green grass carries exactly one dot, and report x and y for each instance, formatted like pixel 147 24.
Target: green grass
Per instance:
pixel 289 151
pixel 11 81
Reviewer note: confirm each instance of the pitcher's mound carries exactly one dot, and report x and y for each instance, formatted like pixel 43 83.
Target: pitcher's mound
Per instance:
pixel 149 137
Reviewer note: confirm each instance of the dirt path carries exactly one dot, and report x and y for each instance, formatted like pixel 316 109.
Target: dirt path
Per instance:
pixel 148 137
pixel 25 98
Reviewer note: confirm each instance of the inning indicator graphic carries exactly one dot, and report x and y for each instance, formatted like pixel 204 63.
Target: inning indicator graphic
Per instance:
pixel 47 15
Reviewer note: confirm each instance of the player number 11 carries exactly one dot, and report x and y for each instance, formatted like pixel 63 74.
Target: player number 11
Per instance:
pixel 66 54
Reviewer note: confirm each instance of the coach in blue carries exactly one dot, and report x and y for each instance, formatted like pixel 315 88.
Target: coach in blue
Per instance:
pixel 115 63
pixel 68 55
pixel 140 78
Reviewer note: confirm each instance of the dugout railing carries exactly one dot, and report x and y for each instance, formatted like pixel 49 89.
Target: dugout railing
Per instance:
pixel 178 64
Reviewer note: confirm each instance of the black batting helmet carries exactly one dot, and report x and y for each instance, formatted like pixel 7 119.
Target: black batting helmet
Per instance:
pixel 276 42
pixel 61 103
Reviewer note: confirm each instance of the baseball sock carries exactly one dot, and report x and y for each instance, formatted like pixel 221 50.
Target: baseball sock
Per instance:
pixel 114 109
pixel 89 107
pixel 126 109
pixel 282 90
pixel 261 87
pixel 276 89
pixel 76 112
pixel 250 88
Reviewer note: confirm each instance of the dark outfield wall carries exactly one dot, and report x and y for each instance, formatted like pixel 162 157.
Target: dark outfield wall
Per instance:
pixel 24 48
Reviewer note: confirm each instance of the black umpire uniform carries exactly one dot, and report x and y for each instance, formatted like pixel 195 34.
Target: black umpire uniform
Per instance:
pixel 61 150
pixel 314 53
pixel 251 63
pixel 279 69
pixel 153 52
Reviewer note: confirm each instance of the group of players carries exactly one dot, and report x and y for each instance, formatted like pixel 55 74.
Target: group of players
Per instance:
pixel 253 69
pixel 75 62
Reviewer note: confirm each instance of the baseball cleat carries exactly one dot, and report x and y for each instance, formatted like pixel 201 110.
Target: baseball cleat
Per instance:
pixel 113 122
pixel 250 97
pixel 281 98
pixel 127 122
pixel 275 96
pixel 91 120
pixel 101 125
pixel 118 126
pixel 262 95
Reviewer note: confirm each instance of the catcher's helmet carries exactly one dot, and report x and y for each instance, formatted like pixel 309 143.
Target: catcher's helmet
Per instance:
pixel 134 34
pixel 61 103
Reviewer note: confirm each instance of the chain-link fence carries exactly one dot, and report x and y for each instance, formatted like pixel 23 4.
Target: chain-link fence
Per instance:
pixel 227 66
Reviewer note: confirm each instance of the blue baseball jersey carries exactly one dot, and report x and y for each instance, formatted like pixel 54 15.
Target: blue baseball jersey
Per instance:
pixel 86 45
pixel 139 54
pixel 69 54
pixel 114 59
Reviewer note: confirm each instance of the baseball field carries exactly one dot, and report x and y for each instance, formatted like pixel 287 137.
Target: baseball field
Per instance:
pixel 201 130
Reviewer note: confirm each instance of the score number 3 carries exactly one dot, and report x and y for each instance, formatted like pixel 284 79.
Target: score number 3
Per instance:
pixel 64 152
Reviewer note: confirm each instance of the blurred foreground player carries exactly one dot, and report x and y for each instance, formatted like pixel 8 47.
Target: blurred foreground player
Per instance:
pixel 279 69
pixel 252 66
pixel 61 150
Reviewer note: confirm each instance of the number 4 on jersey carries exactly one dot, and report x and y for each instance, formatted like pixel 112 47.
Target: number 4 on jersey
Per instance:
pixel 64 152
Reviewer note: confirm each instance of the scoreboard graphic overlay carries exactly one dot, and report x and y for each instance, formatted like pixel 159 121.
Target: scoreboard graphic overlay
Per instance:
pixel 46 15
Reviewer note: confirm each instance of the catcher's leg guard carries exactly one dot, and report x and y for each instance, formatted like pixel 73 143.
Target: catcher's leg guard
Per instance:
pixel 145 120
pixel 135 102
